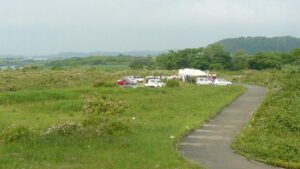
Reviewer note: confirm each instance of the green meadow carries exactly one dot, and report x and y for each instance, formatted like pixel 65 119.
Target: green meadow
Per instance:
pixel 158 118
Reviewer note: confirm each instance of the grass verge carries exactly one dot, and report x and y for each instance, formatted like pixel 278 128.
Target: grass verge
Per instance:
pixel 273 134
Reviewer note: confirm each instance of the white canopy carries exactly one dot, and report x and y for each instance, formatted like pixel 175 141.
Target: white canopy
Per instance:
pixel 191 72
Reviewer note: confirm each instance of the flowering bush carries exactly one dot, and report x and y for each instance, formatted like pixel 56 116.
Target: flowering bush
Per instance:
pixel 105 115
pixel 103 106
pixel 63 129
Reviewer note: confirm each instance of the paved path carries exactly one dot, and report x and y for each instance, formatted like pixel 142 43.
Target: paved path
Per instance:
pixel 210 145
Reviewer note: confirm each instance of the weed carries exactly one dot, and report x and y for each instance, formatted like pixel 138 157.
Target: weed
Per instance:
pixel 172 83
pixel 14 133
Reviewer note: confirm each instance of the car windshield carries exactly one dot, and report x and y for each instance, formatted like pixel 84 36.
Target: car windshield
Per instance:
pixel 154 80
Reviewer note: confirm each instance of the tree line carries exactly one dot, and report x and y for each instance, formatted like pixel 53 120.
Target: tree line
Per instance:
pixel 215 57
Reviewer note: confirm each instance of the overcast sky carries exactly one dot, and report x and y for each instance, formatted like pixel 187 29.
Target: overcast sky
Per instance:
pixel 38 27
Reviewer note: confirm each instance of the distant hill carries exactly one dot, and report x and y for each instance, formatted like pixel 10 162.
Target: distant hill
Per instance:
pixel 252 45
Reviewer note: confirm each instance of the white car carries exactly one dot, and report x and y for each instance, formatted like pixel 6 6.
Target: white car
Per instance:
pixel 154 83
pixel 139 79
pixel 221 82
pixel 130 79
pixel 203 81
pixel 135 79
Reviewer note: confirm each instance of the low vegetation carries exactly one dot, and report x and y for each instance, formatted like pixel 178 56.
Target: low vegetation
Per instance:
pixel 273 134
pixel 172 83
pixel 61 119
pixel 110 62
pixel 71 115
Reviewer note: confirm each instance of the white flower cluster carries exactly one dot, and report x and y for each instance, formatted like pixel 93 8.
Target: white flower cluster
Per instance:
pixel 62 128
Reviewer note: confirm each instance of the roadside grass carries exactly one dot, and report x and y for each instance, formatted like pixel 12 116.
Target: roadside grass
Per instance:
pixel 273 134
pixel 158 115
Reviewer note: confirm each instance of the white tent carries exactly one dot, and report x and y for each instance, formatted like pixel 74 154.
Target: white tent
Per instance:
pixel 191 73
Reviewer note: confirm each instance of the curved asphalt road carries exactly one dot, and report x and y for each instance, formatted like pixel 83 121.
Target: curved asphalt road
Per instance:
pixel 210 145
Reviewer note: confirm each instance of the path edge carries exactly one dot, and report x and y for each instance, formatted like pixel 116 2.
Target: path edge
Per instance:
pixel 177 142
pixel 247 155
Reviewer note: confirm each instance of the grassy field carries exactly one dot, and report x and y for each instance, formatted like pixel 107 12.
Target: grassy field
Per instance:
pixel 159 118
pixel 273 134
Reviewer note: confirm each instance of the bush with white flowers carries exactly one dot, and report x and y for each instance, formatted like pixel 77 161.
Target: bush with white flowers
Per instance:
pixel 105 115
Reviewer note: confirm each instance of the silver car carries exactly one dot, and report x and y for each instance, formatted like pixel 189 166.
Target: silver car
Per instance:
pixel 221 82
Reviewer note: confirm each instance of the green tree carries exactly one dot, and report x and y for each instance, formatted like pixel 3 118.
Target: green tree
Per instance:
pixel 213 57
pixel 218 57
pixel 137 63
pixel 240 60
pixel 296 56
pixel 265 60
pixel 141 62
pixel 150 63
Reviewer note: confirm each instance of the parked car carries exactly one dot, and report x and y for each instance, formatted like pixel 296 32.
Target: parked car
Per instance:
pixel 154 83
pixel 150 77
pixel 130 85
pixel 203 81
pixel 130 78
pixel 125 80
pixel 221 82
pixel 120 82
pixel 139 79
pixel 135 79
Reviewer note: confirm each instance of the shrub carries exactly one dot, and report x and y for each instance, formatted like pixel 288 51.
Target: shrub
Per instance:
pixel 14 133
pixel 102 105
pixel 33 67
pixel 101 83
pixel 57 67
pixel 105 115
pixel 119 126
pixel 98 84
pixel 12 88
pixel 30 68
pixel 172 83
pixel 63 129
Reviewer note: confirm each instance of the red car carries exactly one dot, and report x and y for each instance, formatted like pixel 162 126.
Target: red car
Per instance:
pixel 121 82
